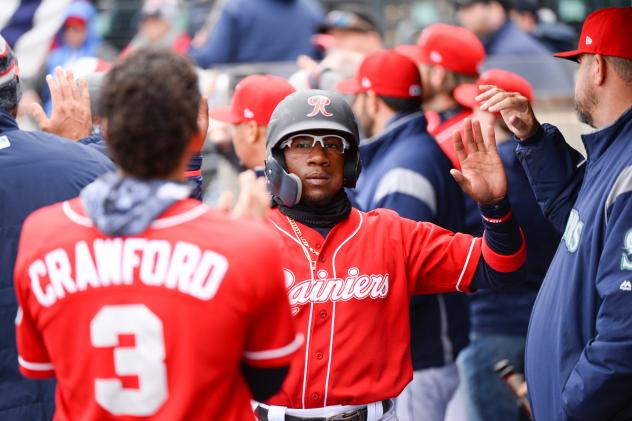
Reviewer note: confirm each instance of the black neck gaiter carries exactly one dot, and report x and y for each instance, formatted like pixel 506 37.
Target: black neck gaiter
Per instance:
pixel 322 216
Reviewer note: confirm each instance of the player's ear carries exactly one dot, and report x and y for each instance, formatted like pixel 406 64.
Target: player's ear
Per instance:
pixel 253 131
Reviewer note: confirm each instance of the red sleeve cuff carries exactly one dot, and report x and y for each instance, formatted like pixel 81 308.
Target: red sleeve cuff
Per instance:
pixel 502 262
pixel 36 370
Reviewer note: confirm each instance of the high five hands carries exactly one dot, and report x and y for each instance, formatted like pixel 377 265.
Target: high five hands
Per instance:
pixel 71 116
pixel 482 175
pixel 513 107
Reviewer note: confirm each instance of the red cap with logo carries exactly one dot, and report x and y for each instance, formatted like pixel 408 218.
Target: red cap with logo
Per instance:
pixel 254 99
pixel 387 73
pixel 505 80
pixel 452 47
pixel 607 32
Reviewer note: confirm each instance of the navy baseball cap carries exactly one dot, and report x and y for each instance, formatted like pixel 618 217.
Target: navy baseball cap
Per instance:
pixel 355 19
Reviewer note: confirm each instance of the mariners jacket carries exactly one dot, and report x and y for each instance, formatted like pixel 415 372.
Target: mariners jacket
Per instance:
pixel 579 345
pixel 507 311
pixel 403 169
pixel 36 169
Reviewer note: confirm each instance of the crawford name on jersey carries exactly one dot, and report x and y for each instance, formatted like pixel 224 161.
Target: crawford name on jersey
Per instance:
pixel 104 262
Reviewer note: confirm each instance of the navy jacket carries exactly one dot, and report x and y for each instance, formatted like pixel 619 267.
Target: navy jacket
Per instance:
pixel 36 169
pixel 251 31
pixel 507 311
pixel 579 345
pixel 405 170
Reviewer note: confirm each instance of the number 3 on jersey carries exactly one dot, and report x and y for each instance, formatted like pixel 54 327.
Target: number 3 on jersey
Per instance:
pixel 146 359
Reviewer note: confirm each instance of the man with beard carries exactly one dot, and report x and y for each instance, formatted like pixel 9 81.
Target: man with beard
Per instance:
pixel 350 274
pixel 405 170
pixel 580 335
pixel 447 56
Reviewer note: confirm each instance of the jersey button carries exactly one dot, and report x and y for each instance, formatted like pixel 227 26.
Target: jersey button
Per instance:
pixel 317 245
pixel 323 314
pixel 321 258
pixel 319 355
pixel 315 396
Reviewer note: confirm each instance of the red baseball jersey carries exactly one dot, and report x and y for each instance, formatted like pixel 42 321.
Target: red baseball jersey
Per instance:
pixel 352 307
pixel 155 325
pixel 442 132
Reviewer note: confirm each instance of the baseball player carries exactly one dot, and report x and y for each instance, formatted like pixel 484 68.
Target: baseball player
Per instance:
pixel 349 274
pixel 580 333
pixel 447 56
pixel 138 299
pixel 499 319
pixel 403 169
pixel 249 112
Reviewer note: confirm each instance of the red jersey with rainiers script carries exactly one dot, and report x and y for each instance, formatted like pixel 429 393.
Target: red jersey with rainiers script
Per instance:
pixel 351 302
pixel 155 325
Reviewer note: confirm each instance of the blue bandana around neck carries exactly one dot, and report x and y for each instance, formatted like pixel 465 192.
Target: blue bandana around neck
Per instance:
pixel 121 205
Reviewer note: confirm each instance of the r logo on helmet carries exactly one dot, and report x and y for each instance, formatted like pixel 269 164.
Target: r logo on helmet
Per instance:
pixel 319 102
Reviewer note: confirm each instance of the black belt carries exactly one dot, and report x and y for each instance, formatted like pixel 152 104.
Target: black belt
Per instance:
pixel 355 415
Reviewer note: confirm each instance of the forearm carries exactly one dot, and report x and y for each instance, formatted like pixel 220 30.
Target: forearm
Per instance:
pixel 503 249
pixel 555 171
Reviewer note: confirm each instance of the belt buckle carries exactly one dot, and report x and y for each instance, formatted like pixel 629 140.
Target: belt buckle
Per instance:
pixel 347 416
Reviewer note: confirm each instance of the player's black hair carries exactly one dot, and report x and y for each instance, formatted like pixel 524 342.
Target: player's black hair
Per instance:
pixel 150 103
pixel 402 104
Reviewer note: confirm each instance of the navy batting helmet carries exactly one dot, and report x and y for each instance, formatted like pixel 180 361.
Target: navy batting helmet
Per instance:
pixel 308 110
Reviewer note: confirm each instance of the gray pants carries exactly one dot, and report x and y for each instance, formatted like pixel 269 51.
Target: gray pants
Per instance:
pixel 426 398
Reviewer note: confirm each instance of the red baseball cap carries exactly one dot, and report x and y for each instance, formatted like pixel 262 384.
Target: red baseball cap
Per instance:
pixel 387 73
pixel 508 81
pixel 607 32
pixel 75 21
pixel 452 47
pixel 254 99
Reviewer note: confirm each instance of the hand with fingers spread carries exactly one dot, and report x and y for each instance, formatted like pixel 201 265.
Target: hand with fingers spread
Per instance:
pixel 513 107
pixel 71 116
pixel 253 201
pixel 482 175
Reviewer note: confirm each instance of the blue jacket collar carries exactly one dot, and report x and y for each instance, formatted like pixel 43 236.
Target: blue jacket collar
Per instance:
pixel 7 122
pixel 402 125
pixel 597 143
pixel 398 122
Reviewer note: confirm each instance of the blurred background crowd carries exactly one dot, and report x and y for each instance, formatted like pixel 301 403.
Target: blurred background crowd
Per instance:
pixel 313 43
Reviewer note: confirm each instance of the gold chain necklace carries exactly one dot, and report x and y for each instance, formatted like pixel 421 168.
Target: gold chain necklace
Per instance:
pixel 299 235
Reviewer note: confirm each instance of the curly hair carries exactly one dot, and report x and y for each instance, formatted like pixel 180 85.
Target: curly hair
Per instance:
pixel 150 101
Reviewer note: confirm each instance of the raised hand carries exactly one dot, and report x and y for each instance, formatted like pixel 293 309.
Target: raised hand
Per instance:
pixel 253 201
pixel 482 175
pixel 513 107
pixel 71 116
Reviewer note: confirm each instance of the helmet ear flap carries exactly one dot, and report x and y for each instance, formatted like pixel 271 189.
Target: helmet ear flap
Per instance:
pixel 284 186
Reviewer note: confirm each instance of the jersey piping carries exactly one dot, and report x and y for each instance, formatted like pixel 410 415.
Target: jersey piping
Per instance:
pixel 333 312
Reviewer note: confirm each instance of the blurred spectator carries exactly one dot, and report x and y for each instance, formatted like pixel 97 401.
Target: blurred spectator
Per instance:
pixel 489 19
pixel 37 169
pixel 258 31
pixel 554 35
pixel 249 113
pixel 158 28
pixel 403 169
pixel 447 56
pixel 511 49
pixel 346 36
pixel 78 38
pixel 499 319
